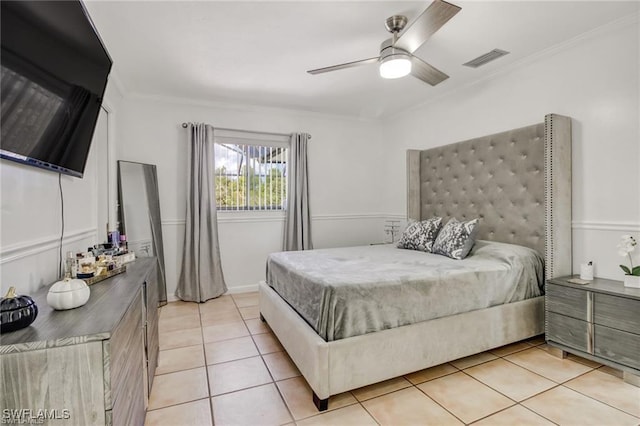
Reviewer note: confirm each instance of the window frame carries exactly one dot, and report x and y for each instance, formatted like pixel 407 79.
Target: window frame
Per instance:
pixel 257 139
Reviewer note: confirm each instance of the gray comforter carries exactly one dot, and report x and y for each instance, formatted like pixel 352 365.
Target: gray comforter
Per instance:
pixel 347 292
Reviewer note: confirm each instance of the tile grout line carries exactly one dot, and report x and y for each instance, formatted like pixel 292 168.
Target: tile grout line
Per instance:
pixel 524 368
pixel 436 402
pixel 367 411
pixel 206 369
pixel 208 397
pixel 507 408
pixel 538 414
pixel 490 387
pixel 295 421
pixel 176 405
pixel 261 355
pixel 491 414
pixel 561 384
pixel 273 381
pixel 506 396
pixel 591 397
pixel 487 385
pixel 361 403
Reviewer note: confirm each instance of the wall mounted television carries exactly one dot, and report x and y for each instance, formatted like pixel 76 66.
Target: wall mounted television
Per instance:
pixel 54 74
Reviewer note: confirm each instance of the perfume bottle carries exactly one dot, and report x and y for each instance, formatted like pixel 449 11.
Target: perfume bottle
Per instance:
pixel 71 265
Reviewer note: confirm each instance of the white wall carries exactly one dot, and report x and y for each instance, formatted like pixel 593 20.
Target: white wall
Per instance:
pixel 594 80
pixel 358 167
pixel 31 215
pixel 344 156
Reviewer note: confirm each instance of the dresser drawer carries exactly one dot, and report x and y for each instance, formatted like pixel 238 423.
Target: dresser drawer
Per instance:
pixel 618 346
pixel 567 331
pixel 617 312
pixel 127 349
pixel 567 301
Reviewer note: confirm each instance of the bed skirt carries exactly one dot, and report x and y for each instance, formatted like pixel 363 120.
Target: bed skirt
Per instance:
pixel 334 367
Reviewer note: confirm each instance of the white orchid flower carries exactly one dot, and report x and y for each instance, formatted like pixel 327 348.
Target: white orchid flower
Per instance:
pixel 625 247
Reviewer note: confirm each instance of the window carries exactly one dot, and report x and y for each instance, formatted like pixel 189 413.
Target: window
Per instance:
pixel 251 173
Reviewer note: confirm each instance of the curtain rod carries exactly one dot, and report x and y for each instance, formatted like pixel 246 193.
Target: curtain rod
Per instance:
pixel 184 126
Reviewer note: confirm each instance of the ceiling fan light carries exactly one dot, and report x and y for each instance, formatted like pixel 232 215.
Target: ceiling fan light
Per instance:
pixel 395 66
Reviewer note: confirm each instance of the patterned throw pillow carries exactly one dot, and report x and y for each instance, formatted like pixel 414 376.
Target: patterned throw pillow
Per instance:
pixel 456 238
pixel 420 235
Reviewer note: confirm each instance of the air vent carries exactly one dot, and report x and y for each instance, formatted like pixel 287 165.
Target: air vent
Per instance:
pixel 486 58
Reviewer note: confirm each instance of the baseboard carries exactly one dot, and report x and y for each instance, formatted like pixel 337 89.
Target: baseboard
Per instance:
pixel 243 289
pixel 231 290
pixel 172 298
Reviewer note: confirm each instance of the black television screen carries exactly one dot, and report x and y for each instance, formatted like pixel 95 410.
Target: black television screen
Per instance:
pixel 54 74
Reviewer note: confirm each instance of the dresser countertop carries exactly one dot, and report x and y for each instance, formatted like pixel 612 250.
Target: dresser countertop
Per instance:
pixel 93 321
pixel 600 285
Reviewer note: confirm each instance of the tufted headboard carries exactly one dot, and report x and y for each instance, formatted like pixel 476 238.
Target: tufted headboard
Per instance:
pixel 517 182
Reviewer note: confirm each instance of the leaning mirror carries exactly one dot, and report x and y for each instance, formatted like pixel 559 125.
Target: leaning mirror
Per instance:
pixel 139 215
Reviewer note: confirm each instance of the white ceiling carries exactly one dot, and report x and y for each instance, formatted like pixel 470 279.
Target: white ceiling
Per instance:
pixel 257 52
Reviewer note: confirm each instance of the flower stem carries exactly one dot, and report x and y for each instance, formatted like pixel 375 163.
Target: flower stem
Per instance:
pixel 630 263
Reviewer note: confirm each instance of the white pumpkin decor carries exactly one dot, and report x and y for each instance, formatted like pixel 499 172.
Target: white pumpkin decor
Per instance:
pixel 68 294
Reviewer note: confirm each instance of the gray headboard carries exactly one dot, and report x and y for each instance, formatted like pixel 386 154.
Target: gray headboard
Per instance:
pixel 517 182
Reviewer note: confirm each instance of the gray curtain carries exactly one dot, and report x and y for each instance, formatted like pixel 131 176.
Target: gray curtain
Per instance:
pixel 297 225
pixel 201 276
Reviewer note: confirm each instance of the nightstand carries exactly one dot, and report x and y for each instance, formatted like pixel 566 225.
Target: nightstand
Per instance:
pixel 599 321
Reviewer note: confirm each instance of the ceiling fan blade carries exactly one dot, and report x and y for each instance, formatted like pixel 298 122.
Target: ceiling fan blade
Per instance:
pixel 430 21
pixel 343 66
pixel 425 72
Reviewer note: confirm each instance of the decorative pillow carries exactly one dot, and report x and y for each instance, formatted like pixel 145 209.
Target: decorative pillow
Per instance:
pixel 456 238
pixel 420 235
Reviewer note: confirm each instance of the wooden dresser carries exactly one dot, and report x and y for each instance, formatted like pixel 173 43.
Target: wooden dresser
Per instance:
pixel 598 321
pixel 92 365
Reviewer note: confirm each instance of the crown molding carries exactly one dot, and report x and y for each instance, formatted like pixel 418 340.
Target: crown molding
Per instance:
pixel 114 76
pixel 244 107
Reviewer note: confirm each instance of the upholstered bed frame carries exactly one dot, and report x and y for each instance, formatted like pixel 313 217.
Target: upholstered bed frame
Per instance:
pixel 519 184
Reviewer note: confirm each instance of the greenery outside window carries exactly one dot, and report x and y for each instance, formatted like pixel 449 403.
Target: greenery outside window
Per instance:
pixel 250 175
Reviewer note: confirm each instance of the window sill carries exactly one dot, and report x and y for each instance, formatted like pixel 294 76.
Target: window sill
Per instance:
pixel 226 216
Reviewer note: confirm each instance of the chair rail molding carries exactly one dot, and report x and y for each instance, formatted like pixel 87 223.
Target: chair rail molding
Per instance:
pixel 236 217
pixel 607 226
pixel 14 252
pixel 588 225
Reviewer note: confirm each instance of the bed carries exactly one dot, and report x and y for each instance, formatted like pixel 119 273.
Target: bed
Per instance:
pixel 519 184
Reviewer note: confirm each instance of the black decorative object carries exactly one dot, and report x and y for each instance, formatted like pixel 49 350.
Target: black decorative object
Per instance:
pixel 16 311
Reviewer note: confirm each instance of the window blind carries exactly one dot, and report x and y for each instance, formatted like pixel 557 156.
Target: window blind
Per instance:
pixel 251 172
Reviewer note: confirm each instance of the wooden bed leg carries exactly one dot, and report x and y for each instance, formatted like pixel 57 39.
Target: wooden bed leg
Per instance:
pixel 321 404
pixel 262 318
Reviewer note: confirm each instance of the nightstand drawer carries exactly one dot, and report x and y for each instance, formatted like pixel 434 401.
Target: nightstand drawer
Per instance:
pixel 567 301
pixel 618 346
pixel 617 312
pixel 568 331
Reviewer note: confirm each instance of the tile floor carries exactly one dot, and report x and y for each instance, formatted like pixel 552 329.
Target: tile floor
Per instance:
pixel 219 364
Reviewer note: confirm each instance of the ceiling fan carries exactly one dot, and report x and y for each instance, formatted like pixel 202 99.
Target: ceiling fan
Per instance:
pixel 396 54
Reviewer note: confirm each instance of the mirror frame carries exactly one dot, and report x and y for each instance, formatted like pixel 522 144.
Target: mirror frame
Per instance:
pixel 156 225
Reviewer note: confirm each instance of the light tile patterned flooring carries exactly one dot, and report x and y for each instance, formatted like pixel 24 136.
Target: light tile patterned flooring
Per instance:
pixel 219 364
